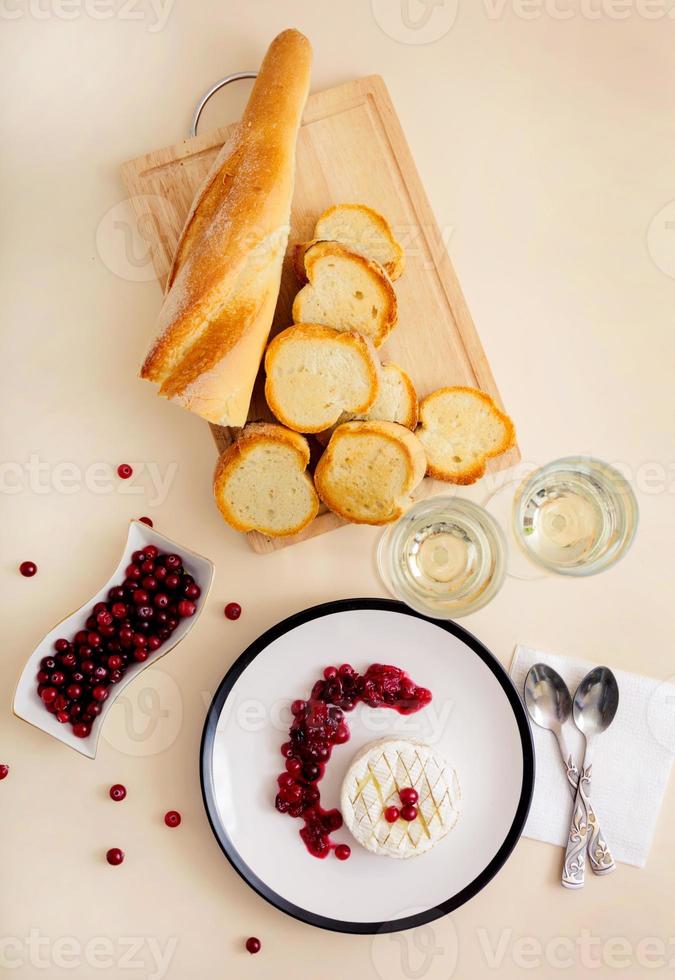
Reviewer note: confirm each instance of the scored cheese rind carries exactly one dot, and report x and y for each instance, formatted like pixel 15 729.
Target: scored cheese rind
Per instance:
pixel 372 784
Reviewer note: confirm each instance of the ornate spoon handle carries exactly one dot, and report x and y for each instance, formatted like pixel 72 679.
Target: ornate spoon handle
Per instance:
pixel 599 855
pixel 575 862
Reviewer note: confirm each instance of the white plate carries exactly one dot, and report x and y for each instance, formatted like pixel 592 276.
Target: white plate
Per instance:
pixel 27 702
pixel 476 721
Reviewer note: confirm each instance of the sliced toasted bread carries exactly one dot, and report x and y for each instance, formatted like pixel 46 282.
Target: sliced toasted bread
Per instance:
pixel 362 230
pixel 261 483
pixel 460 429
pixel 346 291
pixel 315 373
pixel 369 470
pixel 396 402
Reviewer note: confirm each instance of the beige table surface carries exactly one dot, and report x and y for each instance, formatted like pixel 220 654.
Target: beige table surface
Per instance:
pixel 546 145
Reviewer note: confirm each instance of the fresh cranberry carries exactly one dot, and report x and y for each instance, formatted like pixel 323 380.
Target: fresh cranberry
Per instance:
pixel 253 945
pixel 145 612
pixel 152 551
pixel 28 569
pixel 48 663
pixel 233 610
pixel 343 851
pixel 114 661
pixel 172 818
pixel 4 771
pixel 139 640
pixel 140 655
pixel 118 792
pixel 61 645
pixel 124 471
pixel 74 692
pixel 42 677
pixel 104 618
pixel 297 707
pixel 115 676
pixel 186 608
pixel 93 709
pixel 100 693
pixel 330 673
pixel 49 694
pixel 149 583
pixel 87 666
pixel 116 593
pixel 160 573
pixel 146 520
pixel 81 729
pixel 161 600
pixel 141 597
pixel 409 795
pixel 94 639
pixel 409 812
pixel 172 581
pixel 67 659
pixel 154 642
pixel 114 856
pixel 192 591
pixel 100 672
pixel 133 572
pixel 391 814
pixel 58 678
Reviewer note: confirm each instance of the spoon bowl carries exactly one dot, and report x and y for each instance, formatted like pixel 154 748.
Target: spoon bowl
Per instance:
pixel 596 702
pixel 547 697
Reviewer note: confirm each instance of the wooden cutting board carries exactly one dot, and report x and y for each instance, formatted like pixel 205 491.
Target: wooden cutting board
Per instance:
pixel 351 148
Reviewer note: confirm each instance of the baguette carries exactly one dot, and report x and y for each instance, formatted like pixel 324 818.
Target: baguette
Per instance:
pixel 461 429
pixel 224 282
pixel 261 483
pixel 369 471
pixel 314 373
pixel 362 230
pixel 396 402
pixel 346 291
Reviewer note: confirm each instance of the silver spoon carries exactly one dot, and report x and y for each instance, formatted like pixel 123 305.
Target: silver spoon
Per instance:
pixel 595 704
pixel 549 705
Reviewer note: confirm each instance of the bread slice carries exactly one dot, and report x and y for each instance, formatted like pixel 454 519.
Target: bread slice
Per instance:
pixel 362 230
pixel 396 401
pixel 460 429
pixel 346 291
pixel 369 471
pixel 261 483
pixel 224 282
pixel 315 373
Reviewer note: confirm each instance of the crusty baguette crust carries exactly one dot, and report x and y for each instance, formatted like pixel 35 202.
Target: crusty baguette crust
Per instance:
pixel 257 433
pixel 395 267
pixel 405 440
pixel 223 285
pixel 320 249
pixel 320 334
pixel 472 473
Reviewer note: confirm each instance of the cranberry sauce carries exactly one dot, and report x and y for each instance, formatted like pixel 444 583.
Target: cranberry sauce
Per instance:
pixel 318 725
pixel 137 618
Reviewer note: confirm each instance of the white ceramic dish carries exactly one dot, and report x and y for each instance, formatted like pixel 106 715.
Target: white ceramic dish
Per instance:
pixel 27 703
pixel 475 721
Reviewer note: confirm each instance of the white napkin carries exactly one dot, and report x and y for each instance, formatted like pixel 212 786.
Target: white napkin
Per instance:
pixel 631 761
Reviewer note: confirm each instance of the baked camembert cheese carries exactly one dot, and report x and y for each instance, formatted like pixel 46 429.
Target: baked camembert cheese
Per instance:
pixel 372 785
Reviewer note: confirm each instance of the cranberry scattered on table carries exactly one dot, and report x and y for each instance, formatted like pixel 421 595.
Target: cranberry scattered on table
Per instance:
pixel 172 818
pixel 253 945
pixel 114 856
pixel 124 471
pixel 318 725
pixel 146 520
pixel 118 792
pixel 28 569
pixel 139 615
pixel 233 610
pixel 4 771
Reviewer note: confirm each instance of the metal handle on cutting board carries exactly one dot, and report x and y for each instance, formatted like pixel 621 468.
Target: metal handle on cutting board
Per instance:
pixel 212 91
